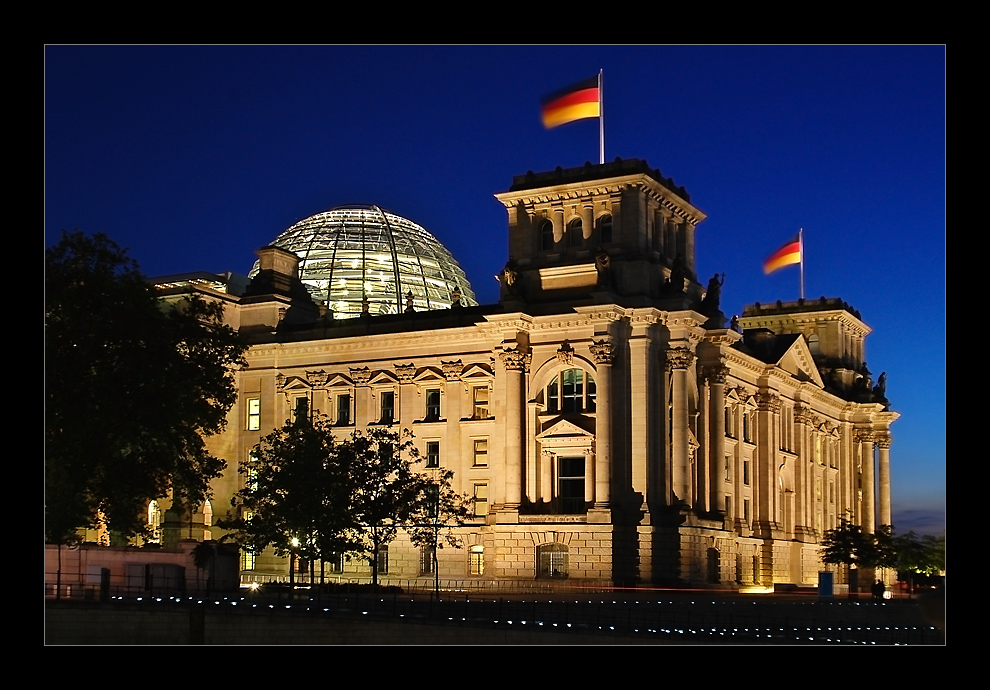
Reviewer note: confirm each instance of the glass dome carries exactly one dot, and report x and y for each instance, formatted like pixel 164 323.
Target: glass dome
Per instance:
pixel 354 253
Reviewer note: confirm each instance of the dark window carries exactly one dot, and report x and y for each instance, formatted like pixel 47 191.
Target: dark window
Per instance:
pixel 546 236
pixel 572 391
pixel 433 453
pixel 433 405
pixel 605 229
pixel 570 485
pixel 388 407
pixel 301 410
pixel 575 233
pixel 343 410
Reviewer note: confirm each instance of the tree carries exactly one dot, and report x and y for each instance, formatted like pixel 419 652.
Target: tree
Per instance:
pixel 299 487
pixel 848 544
pixel 132 387
pixel 438 509
pixel 387 488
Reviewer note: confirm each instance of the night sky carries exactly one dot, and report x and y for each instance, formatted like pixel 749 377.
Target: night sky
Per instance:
pixel 194 157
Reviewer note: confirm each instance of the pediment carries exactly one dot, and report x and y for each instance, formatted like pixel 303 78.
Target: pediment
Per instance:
pixel 383 378
pixel 428 375
pixel 476 372
pixel 339 380
pixel 799 363
pixel 296 383
pixel 564 429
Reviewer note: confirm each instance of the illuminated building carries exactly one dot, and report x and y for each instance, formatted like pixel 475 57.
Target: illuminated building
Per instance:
pixel 608 421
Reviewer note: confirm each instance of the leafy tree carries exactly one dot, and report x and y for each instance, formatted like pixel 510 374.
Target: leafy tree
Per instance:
pixel 919 555
pixel 132 386
pixel 438 509
pixel 387 488
pixel 848 544
pixel 299 487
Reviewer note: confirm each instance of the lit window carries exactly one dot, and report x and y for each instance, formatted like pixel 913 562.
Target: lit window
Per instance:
pixel 551 560
pixel 433 405
pixel 605 229
pixel 207 521
pixel 154 522
pixel 481 452
pixel 433 453
pixel 343 410
pixel 248 559
pixel 477 560
pixel 388 407
pixel 818 488
pixel 336 561
pixel 254 414
pixel 480 500
pixel 570 485
pixel 572 391
pixel 425 561
pixel 480 402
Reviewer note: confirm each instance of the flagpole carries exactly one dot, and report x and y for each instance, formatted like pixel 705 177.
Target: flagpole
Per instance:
pixel 601 120
pixel 801 244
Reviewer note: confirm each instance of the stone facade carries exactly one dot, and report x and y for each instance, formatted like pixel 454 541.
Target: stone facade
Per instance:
pixel 610 423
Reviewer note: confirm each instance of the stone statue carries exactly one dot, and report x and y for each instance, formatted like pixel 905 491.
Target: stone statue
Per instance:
pixel 510 276
pixel 603 264
pixel 409 302
pixel 709 305
pixel 455 298
pixel 678 273
pixel 880 390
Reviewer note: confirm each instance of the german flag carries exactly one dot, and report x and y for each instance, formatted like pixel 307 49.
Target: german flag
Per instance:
pixel 789 254
pixel 576 102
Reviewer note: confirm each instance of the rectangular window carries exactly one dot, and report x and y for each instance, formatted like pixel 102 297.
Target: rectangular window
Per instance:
pixel 336 561
pixel 746 472
pixel 728 506
pixel 433 453
pixel 480 500
pixel 727 469
pixel 343 410
pixel 425 561
pixel 433 405
pixel 300 408
pixel 254 414
pixel 746 427
pixel 388 407
pixel 818 489
pixel 481 452
pixel 570 485
pixel 728 422
pixel 383 560
pixel 247 560
pixel 477 560
pixel 746 510
pixel 480 402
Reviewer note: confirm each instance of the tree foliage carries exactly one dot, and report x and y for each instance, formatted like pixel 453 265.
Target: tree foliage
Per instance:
pixel 849 544
pixel 438 510
pixel 298 494
pixel 132 386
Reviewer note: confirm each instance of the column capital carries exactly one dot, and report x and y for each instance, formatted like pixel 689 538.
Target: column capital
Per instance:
pixel 864 436
pixel 882 439
pixel 715 373
pixel 405 372
pixel 603 351
pixel 804 415
pixel 678 358
pixel 360 376
pixel 514 359
pixel 767 402
pixel 452 370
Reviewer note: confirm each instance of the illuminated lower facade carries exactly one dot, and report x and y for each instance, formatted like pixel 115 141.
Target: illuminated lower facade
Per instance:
pixel 608 423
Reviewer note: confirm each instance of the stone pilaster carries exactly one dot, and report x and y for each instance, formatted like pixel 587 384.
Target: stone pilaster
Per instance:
pixel 715 375
pixel 604 354
pixel 867 517
pixel 678 361
pixel 514 361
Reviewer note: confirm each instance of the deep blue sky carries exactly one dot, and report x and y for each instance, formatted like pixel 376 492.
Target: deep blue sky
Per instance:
pixel 193 157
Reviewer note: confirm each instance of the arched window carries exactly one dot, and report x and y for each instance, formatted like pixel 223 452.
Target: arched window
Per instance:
pixel 546 235
pixel 605 229
pixel 575 233
pixel 571 391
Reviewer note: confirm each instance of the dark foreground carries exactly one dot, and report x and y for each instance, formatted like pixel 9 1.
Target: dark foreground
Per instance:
pixel 629 617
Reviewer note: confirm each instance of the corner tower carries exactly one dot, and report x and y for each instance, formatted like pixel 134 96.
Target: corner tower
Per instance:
pixel 620 232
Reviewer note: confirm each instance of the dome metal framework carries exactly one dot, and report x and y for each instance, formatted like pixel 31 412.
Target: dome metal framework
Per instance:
pixel 352 254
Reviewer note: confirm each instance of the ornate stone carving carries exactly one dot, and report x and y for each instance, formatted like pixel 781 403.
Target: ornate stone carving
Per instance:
pixel 716 373
pixel 280 381
pixel 452 370
pixel 803 415
pixel 678 358
pixel 318 379
pixel 405 372
pixel 514 359
pixel 565 354
pixel 882 439
pixel 864 436
pixel 603 351
pixel 361 376
pixel 767 402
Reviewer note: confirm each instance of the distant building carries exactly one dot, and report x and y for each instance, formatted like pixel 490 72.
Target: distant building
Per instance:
pixel 608 421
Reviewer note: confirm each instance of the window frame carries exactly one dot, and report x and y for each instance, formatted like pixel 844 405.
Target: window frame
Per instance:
pixel 479 454
pixel 254 414
pixel 433 411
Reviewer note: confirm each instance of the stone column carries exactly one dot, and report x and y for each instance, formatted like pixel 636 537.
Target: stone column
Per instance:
pixel 803 470
pixel 453 398
pixel 716 375
pixel 643 428
pixel 883 441
pixel 363 412
pixel 604 355
pixel 765 472
pixel 515 362
pixel 678 361
pixel 868 510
